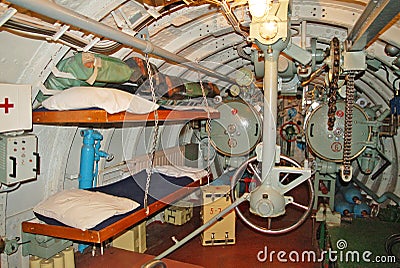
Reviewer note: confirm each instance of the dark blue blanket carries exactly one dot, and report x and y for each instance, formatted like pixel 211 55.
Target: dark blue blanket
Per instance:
pixel 133 188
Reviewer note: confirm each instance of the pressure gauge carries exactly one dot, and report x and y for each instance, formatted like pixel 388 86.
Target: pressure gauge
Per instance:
pixel 244 77
pixel 238 130
pixel 234 90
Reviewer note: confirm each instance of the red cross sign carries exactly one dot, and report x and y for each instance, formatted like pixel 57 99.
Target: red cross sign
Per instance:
pixel 15 107
pixel 6 105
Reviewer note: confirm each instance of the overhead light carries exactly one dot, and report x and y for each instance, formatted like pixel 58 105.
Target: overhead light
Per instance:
pixel 258 8
pixel 269 29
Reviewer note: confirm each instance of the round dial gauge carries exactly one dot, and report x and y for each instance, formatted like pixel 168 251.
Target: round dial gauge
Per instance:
pixel 238 130
pixel 234 90
pixel 244 77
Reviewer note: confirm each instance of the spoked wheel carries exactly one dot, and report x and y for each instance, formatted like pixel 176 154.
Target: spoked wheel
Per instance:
pixel 297 197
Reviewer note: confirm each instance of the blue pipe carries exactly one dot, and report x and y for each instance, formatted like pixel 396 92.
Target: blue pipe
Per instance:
pixel 98 154
pixel 90 156
pixel 87 159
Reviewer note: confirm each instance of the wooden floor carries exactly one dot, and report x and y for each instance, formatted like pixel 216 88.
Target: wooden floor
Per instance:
pixel 243 254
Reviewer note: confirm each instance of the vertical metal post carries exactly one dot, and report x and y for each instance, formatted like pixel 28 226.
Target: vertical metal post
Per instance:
pixel 270 86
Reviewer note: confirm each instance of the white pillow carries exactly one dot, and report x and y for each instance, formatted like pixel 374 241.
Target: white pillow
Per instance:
pixel 110 99
pixel 83 209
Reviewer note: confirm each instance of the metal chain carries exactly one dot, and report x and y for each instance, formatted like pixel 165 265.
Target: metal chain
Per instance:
pixel 208 128
pixel 348 127
pixel 155 136
pixel 333 81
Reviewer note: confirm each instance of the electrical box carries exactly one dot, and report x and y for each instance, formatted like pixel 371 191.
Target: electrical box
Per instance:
pixel 215 199
pixel 133 239
pixel 179 213
pixel 19 159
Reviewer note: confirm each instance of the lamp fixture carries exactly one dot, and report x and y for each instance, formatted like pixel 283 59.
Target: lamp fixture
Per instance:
pixel 269 29
pixel 259 8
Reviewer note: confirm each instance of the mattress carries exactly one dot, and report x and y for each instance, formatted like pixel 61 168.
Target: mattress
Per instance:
pixel 133 187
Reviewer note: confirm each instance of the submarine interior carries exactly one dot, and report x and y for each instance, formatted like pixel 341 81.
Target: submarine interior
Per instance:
pixel 288 108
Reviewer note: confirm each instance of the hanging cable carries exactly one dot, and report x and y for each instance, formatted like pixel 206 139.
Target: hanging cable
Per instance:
pixel 10 189
pixel 240 50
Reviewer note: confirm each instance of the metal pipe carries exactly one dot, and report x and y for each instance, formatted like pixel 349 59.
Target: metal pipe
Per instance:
pixel 375 17
pixel 232 19
pixel 378 199
pixel 52 10
pixel 382 168
pixel 270 87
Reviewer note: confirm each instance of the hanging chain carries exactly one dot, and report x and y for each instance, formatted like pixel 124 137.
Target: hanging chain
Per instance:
pixel 208 128
pixel 333 81
pixel 155 136
pixel 348 127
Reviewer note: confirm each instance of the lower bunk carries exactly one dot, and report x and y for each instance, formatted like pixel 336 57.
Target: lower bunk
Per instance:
pixel 164 190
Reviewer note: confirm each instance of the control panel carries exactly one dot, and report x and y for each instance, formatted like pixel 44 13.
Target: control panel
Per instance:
pixel 19 159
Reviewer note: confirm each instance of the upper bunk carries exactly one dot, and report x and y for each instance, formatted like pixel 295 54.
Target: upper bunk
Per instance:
pixel 100 116
pixel 94 105
pixel 80 92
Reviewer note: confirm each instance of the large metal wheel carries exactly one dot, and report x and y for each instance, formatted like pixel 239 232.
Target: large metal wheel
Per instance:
pixel 249 174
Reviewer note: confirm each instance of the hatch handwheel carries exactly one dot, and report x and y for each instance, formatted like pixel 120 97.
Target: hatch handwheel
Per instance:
pixel 278 211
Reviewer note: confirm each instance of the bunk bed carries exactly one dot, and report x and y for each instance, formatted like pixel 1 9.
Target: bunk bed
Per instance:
pixel 94 105
pixel 100 116
pixel 116 224
pixel 94 116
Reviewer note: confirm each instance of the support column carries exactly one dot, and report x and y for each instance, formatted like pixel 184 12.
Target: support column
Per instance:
pixel 270 87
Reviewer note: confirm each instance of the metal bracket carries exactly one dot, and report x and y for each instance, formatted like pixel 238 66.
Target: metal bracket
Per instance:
pixel 354 61
pixel 60 32
pixel 274 175
pixel 7 15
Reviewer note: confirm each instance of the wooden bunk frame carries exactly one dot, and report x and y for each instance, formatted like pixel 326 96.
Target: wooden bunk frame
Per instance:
pixel 99 116
pixel 93 236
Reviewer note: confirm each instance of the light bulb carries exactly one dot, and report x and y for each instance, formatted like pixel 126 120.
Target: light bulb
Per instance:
pixel 269 29
pixel 258 8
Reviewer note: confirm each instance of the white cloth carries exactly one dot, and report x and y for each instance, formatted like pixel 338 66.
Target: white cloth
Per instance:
pixel 83 209
pixel 109 99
